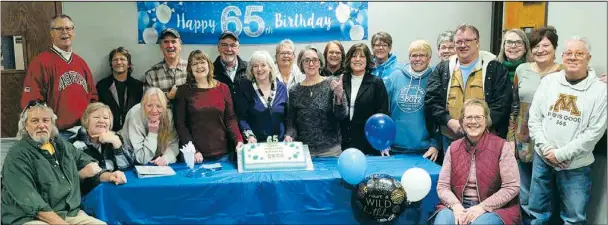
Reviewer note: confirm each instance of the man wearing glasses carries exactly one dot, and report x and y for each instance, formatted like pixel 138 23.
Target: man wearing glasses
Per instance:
pixel 567 119
pixel 40 175
pixel 229 68
pixel 61 78
pixel 171 71
pixel 470 74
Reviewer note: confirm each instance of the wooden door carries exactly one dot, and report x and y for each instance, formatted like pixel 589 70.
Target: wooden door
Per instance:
pixel 525 15
pixel 30 20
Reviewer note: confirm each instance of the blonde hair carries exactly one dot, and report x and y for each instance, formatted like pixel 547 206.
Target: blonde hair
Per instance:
pixel 480 103
pixel 264 57
pixel 165 130
pixel 527 57
pixel 91 108
pixel 422 45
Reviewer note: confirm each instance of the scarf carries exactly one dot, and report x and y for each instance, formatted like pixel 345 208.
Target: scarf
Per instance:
pixel 512 65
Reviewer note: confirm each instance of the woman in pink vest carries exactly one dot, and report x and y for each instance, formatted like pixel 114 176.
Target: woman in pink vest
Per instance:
pixel 479 180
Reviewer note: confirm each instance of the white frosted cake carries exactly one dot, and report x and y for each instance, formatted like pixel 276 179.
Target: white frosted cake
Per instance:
pixel 275 156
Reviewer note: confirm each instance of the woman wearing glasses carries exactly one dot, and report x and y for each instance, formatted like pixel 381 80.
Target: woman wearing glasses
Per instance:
pixel 445 45
pixel 316 106
pixel 290 74
pixel 479 180
pixel 262 101
pixel 334 55
pixel 204 112
pixel 514 51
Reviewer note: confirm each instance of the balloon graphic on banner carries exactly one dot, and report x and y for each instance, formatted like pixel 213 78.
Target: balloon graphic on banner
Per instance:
pixel 354 5
pixel 143 20
pixel 416 183
pixel 381 197
pixel 342 12
pixel 345 28
pixel 357 32
pixel 362 17
pixel 150 35
pixel 352 165
pixel 163 13
pixel 159 27
pixel 151 5
pixel 380 131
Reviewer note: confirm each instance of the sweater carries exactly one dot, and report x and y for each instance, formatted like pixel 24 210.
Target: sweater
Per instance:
pixel 206 117
pixel 314 115
pixel 66 85
pixel 387 67
pixel 145 144
pixel 255 117
pixel 568 118
pixel 406 90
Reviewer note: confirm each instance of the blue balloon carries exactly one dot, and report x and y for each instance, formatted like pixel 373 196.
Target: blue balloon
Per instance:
pixel 151 5
pixel 362 17
pixel 345 28
pixel 143 20
pixel 354 5
pixel 380 131
pixel 352 166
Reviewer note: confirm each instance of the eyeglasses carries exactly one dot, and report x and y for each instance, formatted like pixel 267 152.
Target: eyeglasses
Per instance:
pixel 467 42
pixel 578 55
pixel 443 48
pixel 62 29
pixel 418 56
pixel 517 43
pixel 477 118
pixel 226 45
pixel 314 61
pixel 286 53
pixel 385 46
pixel 33 103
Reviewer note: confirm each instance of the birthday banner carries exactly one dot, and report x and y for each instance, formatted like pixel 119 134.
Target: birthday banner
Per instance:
pixel 254 22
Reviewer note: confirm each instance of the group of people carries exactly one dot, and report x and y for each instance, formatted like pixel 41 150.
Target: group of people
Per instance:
pixel 506 126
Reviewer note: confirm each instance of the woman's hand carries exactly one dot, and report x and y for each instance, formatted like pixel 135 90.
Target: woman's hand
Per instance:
pixel 153 126
pixel 198 157
pixel 118 177
pixel 385 152
pixel 472 213
pixel 239 145
pixel 431 154
pixel 459 214
pixel 160 161
pixel 109 137
pixel 288 138
pixel 251 140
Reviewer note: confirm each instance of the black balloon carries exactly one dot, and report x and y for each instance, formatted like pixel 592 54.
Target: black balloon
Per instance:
pixel 380 197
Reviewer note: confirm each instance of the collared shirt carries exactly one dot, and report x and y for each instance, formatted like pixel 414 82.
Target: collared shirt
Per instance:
pixel 66 55
pixel 161 76
pixel 231 72
pixel 35 181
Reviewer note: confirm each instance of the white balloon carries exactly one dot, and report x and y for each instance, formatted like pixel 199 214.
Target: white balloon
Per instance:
pixel 150 35
pixel 356 33
pixel 342 12
pixel 417 184
pixel 163 13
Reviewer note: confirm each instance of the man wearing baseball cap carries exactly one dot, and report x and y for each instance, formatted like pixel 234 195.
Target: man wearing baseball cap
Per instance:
pixel 171 71
pixel 229 68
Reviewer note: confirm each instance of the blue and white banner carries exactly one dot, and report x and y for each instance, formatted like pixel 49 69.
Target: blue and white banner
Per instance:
pixel 254 22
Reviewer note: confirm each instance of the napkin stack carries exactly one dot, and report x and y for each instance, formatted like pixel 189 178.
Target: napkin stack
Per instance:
pixel 188 150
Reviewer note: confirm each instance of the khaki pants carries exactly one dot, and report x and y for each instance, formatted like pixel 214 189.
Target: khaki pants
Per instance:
pixel 81 218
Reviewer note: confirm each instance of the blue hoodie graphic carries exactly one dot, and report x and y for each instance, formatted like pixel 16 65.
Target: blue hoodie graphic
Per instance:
pixel 406 90
pixel 387 68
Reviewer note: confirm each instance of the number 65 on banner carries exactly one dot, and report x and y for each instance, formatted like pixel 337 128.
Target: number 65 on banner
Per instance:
pixel 249 18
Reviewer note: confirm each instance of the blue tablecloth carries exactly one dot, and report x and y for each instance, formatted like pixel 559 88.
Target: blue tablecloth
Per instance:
pixel 227 197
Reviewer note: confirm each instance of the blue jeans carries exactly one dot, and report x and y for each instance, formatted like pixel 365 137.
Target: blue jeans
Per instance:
pixel 446 216
pixel 525 177
pixel 574 187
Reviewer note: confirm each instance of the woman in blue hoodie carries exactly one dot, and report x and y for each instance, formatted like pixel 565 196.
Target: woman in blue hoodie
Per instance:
pixel 406 88
pixel 385 62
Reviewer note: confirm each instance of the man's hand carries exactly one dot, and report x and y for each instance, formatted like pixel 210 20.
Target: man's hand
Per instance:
pixel 472 213
pixel 118 177
pixel 550 156
pixel 454 125
pixel 431 154
pixel 171 94
pixel 198 157
pixel 160 161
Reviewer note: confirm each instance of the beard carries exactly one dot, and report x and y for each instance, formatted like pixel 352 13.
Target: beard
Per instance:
pixel 43 139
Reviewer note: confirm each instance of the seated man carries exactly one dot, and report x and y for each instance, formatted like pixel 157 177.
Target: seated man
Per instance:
pixel 40 174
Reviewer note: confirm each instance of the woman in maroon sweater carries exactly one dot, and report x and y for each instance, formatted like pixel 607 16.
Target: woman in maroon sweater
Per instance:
pixel 204 112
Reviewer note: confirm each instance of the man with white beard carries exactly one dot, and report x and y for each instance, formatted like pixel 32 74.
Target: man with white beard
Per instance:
pixel 41 172
pixel 229 68
pixel 171 71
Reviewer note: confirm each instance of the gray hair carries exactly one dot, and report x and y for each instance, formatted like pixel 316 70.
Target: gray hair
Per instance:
pixel 581 39
pixel 527 56
pixel 447 35
pixel 319 54
pixel 60 16
pixel 264 57
pixel 91 108
pixel 23 119
pixel 284 43
pixel 464 26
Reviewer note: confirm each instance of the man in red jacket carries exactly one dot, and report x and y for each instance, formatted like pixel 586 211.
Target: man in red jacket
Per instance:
pixel 60 78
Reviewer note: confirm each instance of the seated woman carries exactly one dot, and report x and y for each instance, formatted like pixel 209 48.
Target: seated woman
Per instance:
pixel 97 139
pixel 479 180
pixel 204 113
pixel 365 95
pixel 149 130
pixel 316 106
pixel 262 100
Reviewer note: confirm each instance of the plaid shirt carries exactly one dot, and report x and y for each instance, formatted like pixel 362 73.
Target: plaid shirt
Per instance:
pixel 162 77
